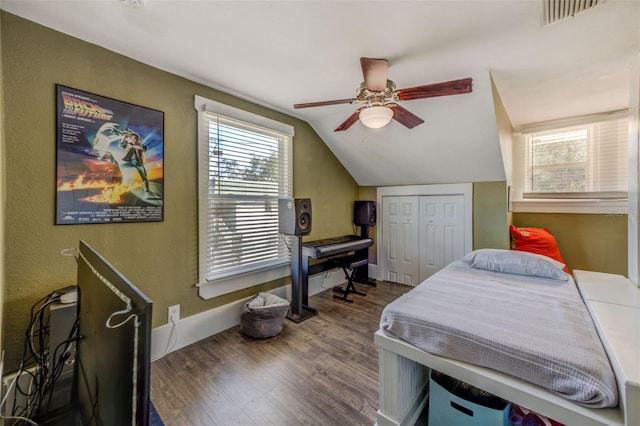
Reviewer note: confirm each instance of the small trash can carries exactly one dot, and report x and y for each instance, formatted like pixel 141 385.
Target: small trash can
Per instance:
pixel 262 316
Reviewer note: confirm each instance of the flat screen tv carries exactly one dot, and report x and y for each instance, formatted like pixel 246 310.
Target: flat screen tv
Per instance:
pixel 113 364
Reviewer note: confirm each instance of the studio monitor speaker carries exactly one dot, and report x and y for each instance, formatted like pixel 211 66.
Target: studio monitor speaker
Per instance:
pixel 364 213
pixel 294 216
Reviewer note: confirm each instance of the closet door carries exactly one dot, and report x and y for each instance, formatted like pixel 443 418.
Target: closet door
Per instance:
pixel 441 230
pixel 400 239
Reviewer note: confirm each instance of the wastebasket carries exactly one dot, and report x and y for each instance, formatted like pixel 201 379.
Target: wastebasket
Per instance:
pixel 262 316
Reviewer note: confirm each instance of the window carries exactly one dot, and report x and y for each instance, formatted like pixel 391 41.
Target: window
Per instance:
pixel 581 160
pixel 557 162
pixel 245 165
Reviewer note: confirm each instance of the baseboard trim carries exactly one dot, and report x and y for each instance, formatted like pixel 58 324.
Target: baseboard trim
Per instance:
pixel 169 337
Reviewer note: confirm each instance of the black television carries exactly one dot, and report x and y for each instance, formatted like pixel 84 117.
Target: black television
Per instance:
pixel 113 364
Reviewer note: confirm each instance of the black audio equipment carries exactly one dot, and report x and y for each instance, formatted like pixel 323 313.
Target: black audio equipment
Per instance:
pixel 364 213
pixel 320 249
pixel 62 317
pixel 364 216
pixel 294 216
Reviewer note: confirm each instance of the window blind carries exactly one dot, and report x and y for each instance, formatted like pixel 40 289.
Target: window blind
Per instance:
pixel 248 167
pixel 581 161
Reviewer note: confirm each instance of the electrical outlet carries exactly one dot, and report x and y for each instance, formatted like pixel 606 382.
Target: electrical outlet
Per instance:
pixel 174 314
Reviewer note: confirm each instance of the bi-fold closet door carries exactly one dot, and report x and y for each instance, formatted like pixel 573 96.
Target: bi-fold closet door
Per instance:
pixel 421 234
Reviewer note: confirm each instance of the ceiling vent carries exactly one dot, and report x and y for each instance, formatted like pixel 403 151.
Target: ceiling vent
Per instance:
pixel 557 10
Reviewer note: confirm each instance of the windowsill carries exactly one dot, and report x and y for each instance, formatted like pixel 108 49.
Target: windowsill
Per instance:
pixel 616 207
pixel 211 289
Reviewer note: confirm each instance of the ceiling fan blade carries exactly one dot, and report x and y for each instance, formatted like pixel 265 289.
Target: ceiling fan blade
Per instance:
pixel 454 87
pixel 405 117
pixel 349 121
pixel 375 73
pixel 324 103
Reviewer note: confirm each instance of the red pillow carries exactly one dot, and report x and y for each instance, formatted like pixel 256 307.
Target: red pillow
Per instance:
pixel 536 240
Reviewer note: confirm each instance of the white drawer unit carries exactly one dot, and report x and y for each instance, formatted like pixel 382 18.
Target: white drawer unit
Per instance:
pixel 614 304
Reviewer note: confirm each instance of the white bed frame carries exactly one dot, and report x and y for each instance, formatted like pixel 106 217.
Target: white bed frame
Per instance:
pixel 614 304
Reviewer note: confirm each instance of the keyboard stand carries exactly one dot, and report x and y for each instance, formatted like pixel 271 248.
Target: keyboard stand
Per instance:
pixel 348 264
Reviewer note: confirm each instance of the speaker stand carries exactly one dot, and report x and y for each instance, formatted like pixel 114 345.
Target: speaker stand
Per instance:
pixel 362 273
pixel 307 312
pixel 299 310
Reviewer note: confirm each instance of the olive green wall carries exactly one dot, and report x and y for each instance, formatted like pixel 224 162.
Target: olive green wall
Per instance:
pixel 594 242
pixel 160 258
pixel 3 196
pixel 490 221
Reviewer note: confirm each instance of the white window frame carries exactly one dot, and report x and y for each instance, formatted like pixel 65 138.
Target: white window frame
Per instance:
pixel 559 204
pixel 209 287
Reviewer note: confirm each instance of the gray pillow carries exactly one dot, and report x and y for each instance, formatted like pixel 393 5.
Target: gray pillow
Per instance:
pixel 516 262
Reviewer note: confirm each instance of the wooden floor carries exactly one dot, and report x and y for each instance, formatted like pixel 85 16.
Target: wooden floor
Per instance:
pixel 322 371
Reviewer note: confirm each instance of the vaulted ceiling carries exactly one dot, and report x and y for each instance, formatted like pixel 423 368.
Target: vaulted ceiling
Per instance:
pixel 278 53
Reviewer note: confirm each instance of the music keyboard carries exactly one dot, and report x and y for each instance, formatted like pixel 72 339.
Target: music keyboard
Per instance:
pixel 320 249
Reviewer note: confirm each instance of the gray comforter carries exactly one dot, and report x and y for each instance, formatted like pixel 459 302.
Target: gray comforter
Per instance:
pixel 535 329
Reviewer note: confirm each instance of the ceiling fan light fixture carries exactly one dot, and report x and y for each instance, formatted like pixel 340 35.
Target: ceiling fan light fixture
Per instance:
pixel 133 3
pixel 376 117
pixel 380 97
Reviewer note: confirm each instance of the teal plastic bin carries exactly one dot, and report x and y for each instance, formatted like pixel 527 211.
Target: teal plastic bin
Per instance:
pixel 456 403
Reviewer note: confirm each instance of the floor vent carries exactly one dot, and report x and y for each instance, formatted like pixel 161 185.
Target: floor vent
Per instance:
pixel 557 10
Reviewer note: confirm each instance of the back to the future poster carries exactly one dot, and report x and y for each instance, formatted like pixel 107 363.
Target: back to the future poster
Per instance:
pixel 110 160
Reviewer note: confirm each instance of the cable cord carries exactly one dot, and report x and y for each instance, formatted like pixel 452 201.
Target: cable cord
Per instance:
pixel 94 403
pixel 40 367
pixel 173 332
pixel 4 400
pixel 326 275
pixel 286 242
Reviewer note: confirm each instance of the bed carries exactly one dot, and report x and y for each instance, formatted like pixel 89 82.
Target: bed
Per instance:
pixel 514 325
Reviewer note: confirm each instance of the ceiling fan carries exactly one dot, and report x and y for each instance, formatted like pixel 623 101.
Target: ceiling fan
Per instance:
pixel 380 97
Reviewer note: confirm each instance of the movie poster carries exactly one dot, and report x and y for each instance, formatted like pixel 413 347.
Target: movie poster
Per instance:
pixel 110 160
